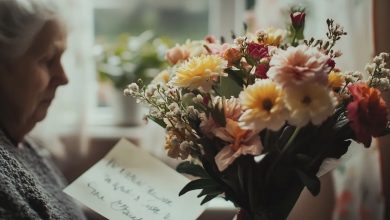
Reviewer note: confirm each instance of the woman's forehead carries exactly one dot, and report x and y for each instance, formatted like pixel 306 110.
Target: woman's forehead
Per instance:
pixel 51 36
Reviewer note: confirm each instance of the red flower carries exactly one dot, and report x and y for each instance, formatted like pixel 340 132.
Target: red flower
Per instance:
pixel 298 19
pixel 367 113
pixel 261 71
pixel 331 63
pixel 257 51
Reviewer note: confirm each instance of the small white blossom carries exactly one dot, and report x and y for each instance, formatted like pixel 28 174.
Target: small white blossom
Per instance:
pixel 154 112
pixel 378 60
pixel 198 99
pixel 151 89
pixel 384 56
pixel 127 92
pixel 160 102
pixel 133 87
pixel 370 68
pixel 384 84
pixel 186 145
pixel 173 106
pixel 192 112
pixel 239 40
pixel 338 53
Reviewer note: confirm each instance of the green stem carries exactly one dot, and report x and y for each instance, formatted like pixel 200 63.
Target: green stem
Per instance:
pixel 291 139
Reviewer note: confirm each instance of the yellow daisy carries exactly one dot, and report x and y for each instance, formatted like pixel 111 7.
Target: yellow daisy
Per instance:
pixel 335 80
pixel 273 36
pixel 310 102
pixel 200 72
pixel 162 77
pixel 263 106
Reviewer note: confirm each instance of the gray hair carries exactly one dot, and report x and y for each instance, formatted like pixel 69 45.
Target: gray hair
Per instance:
pixel 20 21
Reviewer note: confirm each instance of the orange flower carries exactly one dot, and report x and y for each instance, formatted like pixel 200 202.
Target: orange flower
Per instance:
pixel 241 142
pixel 232 55
pixel 367 113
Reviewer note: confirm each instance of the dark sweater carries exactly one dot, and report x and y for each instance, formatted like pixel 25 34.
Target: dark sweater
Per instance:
pixel 31 186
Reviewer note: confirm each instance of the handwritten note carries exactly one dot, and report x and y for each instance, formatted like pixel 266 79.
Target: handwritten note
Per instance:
pixel 130 184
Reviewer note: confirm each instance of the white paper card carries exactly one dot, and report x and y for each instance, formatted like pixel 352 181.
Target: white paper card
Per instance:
pixel 130 184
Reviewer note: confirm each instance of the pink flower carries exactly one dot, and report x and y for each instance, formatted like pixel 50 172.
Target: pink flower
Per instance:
pixel 367 113
pixel 261 71
pixel 298 65
pixel 217 49
pixel 176 54
pixel 240 142
pixel 257 51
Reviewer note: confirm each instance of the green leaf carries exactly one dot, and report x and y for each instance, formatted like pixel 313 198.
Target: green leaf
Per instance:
pixel 208 198
pixel 241 177
pixel 192 169
pixel 159 121
pixel 198 184
pixel 229 87
pixel 235 75
pixel 312 183
pixel 211 191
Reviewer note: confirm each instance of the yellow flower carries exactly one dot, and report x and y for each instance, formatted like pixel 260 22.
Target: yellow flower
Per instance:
pixel 273 36
pixel 263 106
pixel 310 102
pixel 200 72
pixel 162 77
pixel 335 80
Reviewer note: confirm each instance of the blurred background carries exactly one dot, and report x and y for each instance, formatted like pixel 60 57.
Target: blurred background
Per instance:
pixel 112 43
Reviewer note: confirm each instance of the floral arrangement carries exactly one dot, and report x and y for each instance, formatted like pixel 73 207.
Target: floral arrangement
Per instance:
pixel 130 58
pixel 257 118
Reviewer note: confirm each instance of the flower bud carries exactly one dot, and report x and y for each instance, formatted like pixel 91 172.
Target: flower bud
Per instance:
pixel 232 55
pixel 298 19
pixel 176 54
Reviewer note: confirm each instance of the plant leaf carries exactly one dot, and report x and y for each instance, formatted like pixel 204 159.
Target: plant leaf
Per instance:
pixel 211 191
pixel 208 198
pixel 198 184
pixel 192 169
pixel 312 183
pixel 159 121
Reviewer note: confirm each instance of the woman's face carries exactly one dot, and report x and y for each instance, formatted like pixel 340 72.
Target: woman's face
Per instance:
pixel 28 84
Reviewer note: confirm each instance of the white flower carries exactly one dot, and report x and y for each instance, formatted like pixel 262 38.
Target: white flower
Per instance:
pixel 310 102
pixel 133 88
pixel 150 91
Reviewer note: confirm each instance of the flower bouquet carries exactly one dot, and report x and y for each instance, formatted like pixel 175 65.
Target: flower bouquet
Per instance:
pixel 257 118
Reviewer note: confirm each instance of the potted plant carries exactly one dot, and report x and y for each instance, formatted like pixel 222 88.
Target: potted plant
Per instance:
pixel 128 59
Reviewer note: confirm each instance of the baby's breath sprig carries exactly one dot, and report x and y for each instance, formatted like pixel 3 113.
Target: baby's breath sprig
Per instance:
pixel 335 32
pixel 378 72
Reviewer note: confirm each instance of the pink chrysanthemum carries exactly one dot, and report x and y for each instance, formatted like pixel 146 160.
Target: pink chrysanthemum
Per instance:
pixel 298 65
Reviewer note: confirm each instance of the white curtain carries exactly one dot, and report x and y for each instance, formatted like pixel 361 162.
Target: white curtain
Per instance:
pixel 354 15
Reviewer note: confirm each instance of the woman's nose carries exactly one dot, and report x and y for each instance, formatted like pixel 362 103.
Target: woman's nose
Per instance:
pixel 60 76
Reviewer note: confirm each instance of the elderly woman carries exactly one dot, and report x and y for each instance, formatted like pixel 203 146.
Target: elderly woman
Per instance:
pixel 32 40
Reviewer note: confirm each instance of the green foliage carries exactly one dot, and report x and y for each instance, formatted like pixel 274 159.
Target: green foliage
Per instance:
pixel 130 58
